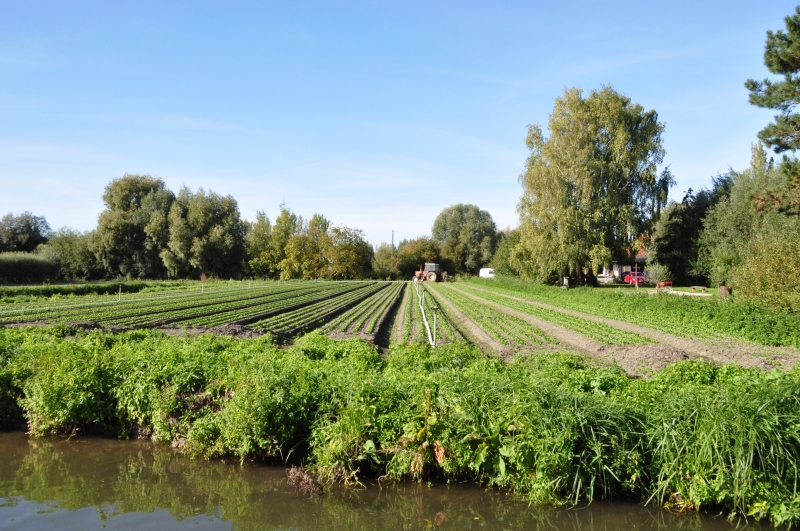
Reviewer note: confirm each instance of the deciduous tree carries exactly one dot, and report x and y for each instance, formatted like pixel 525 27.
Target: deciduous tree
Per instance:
pixel 592 186
pixel 308 253
pixel 206 235
pixel 349 256
pixel 125 241
pixel 467 236
pixel 22 233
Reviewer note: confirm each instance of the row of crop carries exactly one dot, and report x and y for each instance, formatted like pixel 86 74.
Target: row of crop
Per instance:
pixel 410 325
pixel 131 308
pixel 222 311
pixel 248 314
pixel 445 328
pixel 598 331
pixel 368 321
pixel 500 325
pixel 285 322
pixel 355 319
pixel 121 295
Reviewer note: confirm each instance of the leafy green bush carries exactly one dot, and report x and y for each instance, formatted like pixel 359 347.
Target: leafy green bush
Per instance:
pixel 770 274
pixel 657 272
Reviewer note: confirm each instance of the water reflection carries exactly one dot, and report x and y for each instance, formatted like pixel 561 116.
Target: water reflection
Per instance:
pixel 109 484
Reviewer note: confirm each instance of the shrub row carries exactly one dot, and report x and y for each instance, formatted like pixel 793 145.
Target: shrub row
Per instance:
pixel 548 428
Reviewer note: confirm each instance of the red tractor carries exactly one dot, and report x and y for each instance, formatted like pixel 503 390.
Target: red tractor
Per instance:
pixel 431 273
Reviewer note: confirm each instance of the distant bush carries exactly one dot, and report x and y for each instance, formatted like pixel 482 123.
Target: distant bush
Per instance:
pixel 770 274
pixel 657 272
pixel 22 268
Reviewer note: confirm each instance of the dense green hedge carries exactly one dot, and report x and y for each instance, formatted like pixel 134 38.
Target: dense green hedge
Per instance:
pixel 549 428
pixel 20 268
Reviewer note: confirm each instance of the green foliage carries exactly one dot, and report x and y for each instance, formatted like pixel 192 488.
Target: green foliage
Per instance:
pixel 349 255
pixel 74 252
pixel 591 186
pixel 733 223
pixel 70 290
pixel 385 265
pixel 309 251
pixel 550 428
pixel 22 268
pixel 751 245
pixel 22 233
pixel 412 254
pixel 503 261
pixel 131 231
pixel 770 273
pixel 781 57
pixel 206 235
pixel 673 242
pixel 267 264
pixel 657 272
pixel 467 235
pixel 257 241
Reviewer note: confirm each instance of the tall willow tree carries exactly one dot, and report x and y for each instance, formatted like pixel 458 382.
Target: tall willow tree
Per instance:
pixel 126 241
pixel 592 187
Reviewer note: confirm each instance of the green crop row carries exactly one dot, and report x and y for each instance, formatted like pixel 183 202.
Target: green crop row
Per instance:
pixel 130 308
pixel 181 289
pixel 283 297
pixel 500 325
pixel 296 318
pixel 598 331
pixel 228 313
pixel 238 313
pixel 445 327
pixel 357 316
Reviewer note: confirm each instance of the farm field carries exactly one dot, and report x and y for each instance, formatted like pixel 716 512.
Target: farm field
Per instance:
pixel 639 332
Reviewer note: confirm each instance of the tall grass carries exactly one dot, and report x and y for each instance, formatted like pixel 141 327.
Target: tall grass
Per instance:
pixel 551 429
pixel 18 267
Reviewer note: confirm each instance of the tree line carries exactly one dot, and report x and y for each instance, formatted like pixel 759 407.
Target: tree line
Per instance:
pixel 146 231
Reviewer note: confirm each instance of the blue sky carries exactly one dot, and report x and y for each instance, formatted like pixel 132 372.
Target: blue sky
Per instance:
pixel 376 115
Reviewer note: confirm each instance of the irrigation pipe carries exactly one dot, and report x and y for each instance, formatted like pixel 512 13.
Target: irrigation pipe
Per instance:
pixel 422 309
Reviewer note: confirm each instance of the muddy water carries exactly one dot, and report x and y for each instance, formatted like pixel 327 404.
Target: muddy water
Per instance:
pixel 109 484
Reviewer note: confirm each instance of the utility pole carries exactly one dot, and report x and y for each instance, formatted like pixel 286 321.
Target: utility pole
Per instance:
pixel 392 243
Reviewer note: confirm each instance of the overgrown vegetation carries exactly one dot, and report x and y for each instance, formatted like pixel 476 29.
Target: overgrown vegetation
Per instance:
pixel 551 429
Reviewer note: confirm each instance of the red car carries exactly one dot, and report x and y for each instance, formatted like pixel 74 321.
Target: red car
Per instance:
pixel 634 277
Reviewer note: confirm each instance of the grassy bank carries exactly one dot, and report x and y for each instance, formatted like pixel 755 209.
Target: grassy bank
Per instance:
pixel 550 428
pixel 684 316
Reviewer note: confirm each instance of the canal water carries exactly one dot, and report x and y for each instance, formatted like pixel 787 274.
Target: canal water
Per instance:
pixel 94 483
